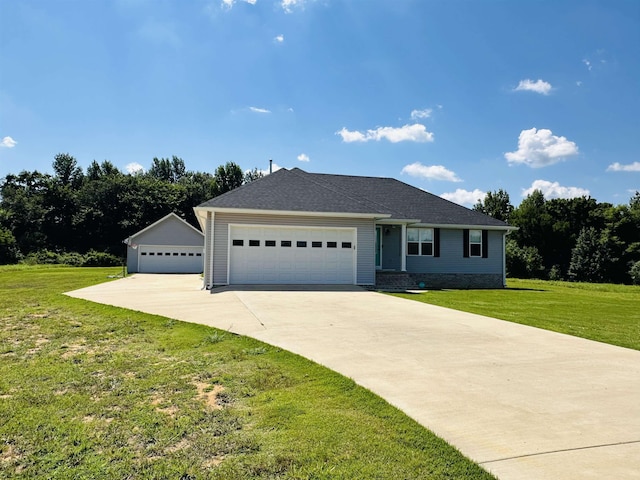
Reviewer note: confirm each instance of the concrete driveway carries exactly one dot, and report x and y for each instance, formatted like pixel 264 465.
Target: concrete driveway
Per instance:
pixel 524 403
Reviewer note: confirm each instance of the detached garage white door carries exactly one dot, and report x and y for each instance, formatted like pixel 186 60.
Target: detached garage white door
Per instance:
pixel 162 259
pixel 291 255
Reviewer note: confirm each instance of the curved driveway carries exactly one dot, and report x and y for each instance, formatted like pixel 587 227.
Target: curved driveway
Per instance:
pixel 524 403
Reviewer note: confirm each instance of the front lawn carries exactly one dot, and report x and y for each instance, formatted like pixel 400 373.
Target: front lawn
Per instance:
pixel 602 312
pixel 91 391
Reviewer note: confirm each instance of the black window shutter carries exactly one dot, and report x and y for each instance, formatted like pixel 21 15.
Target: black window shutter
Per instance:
pixel 436 242
pixel 485 244
pixel 465 243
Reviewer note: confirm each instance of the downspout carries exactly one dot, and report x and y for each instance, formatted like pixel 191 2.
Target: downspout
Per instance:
pixel 211 249
pixel 504 258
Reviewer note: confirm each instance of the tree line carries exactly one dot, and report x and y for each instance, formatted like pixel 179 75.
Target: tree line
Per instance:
pixel 569 239
pixel 73 210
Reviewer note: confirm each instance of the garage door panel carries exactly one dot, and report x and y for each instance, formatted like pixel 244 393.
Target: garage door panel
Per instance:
pixel 163 259
pixel 297 263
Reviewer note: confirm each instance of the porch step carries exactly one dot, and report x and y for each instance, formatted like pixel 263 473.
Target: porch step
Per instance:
pixel 394 280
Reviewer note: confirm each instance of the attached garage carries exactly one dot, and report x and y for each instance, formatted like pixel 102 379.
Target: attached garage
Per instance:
pixel 291 255
pixel 169 245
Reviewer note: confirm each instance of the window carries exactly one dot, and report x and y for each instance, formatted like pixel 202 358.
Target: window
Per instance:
pixel 332 244
pixel 301 244
pixel 175 254
pixel 191 254
pixel 151 253
pixel 198 254
pixel 316 244
pixel 168 254
pixel 254 243
pixel 346 244
pixel 143 253
pixel 285 243
pixel 159 254
pixel 269 243
pixel 420 241
pixel 475 243
pixel 238 243
pixel 183 254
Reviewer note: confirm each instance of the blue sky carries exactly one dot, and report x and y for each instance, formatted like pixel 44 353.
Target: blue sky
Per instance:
pixel 455 97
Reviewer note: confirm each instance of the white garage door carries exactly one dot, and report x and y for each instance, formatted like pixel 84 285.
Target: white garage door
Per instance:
pixel 291 255
pixel 162 259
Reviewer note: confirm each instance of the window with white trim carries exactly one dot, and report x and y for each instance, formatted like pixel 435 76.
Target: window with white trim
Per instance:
pixel 475 243
pixel 420 241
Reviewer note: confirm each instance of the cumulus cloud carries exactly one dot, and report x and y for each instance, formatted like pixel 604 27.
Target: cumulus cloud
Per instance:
pixel 588 64
pixel 259 110
pixel 274 168
pixel 555 190
pixel 416 114
pixel 540 148
pixel 464 197
pixel 618 167
pixel 407 133
pixel 432 172
pixel 134 167
pixel 8 142
pixel 279 38
pixel 303 157
pixel 539 86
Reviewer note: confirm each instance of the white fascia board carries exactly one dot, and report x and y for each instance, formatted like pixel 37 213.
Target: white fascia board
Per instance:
pixel 508 228
pixel 201 216
pixel 397 221
pixel 255 211
pixel 131 237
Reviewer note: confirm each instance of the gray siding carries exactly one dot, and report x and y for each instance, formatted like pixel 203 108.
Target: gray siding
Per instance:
pixel 365 255
pixel 452 261
pixel 132 260
pixel 208 248
pixel 170 232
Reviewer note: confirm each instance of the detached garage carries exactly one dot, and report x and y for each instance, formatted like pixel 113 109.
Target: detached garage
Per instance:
pixel 169 245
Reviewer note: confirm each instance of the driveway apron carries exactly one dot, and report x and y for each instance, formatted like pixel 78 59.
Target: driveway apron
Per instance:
pixel 524 403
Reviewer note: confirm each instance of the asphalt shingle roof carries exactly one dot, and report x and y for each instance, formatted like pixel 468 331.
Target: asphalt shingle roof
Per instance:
pixel 297 190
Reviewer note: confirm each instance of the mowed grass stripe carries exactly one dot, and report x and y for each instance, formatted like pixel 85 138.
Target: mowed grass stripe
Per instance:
pixel 91 391
pixel 602 312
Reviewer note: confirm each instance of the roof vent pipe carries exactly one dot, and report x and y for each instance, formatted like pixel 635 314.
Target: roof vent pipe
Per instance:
pixel 270 166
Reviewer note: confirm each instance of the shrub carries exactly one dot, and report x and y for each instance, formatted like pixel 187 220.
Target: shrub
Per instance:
pixel 100 259
pixel 556 273
pixel 9 252
pixel 523 262
pixel 634 273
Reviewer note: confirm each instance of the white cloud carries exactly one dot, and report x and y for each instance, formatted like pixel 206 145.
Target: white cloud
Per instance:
pixel 539 86
pixel 588 64
pixel 289 5
pixel 134 167
pixel 464 197
pixel 228 4
pixel 259 110
pixel 8 142
pixel 409 133
pixel 540 148
pixel 303 157
pixel 618 167
pixel 426 113
pixel 579 83
pixel 279 38
pixel 432 172
pixel 555 190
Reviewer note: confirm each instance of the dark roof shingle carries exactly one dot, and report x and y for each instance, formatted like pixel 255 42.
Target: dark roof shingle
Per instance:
pixel 297 190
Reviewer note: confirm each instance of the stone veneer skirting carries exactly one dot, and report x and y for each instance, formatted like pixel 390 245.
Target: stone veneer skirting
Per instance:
pixel 404 280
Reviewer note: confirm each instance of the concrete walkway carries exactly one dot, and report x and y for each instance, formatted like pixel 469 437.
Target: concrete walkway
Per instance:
pixel 524 403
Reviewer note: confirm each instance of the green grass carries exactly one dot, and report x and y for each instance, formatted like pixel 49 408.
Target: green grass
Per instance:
pixel 91 391
pixel 602 312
